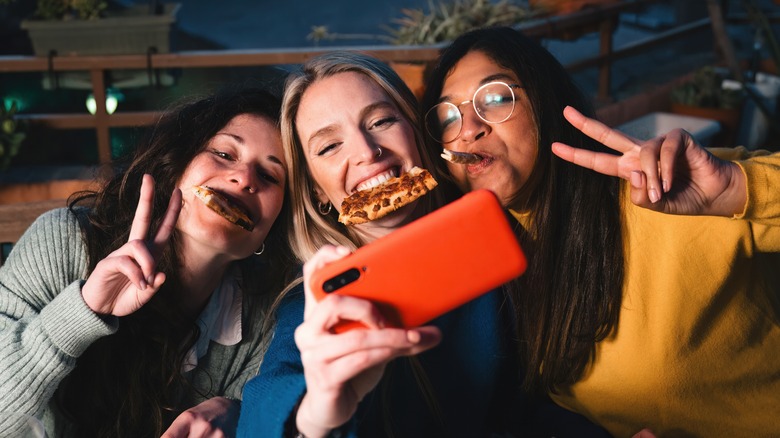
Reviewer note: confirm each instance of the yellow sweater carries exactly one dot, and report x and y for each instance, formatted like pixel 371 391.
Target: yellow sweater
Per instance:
pixel 696 352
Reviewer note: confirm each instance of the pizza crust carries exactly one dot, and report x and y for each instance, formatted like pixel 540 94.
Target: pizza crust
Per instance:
pixel 222 206
pixel 376 202
pixel 460 157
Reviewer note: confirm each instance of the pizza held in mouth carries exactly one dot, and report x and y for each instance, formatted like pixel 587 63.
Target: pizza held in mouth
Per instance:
pixel 460 157
pixel 224 207
pixel 376 202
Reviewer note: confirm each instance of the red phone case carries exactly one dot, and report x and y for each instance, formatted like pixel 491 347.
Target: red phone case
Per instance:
pixel 431 265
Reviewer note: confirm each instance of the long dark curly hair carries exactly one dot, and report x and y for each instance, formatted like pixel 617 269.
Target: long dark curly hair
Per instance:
pixel 131 383
pixel 570 295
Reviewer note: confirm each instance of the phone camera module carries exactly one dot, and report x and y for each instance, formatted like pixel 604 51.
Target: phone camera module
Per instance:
pixel 341 280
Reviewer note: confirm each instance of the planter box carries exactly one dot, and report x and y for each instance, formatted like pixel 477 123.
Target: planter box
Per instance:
pixel 561 7
pixel 130 31
pixel 728 119
pixel 655 124
pixel 413 75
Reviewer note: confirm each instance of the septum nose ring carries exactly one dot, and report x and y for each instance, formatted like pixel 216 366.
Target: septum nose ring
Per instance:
pixel 378 151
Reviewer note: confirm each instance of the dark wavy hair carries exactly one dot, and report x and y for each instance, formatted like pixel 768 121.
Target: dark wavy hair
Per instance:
pixel 570 296
pixel 130 383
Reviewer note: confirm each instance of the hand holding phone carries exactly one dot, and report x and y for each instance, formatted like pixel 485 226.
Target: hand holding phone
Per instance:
pixel 430 266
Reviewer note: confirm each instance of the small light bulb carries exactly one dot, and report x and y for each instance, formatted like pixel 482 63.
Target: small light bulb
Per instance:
pixel 111 103
pixel 91 104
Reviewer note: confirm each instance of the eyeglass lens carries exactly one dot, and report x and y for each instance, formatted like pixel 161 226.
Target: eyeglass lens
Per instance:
pixel 493 102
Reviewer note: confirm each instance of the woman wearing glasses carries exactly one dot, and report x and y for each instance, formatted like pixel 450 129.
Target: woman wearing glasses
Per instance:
pixel 650 299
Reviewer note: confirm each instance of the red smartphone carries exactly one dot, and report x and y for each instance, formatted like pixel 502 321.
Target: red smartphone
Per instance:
pixel 430 266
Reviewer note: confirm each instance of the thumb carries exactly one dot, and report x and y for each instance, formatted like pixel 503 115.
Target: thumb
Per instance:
pixel 143 296
pixel 323 257
pixel 644 433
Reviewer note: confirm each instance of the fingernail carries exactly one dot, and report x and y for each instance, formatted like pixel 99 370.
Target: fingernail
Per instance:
pixel 636 179
pixel 150 280
pixel 143 284
pixel 654 197
pixel 413 336
pixel 666 186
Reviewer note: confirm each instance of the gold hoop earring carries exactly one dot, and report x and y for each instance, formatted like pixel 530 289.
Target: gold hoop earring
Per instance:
pixel 262 248
pixel 324 208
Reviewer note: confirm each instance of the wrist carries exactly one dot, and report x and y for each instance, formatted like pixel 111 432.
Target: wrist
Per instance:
pixel 734 199
pixel 88 297
pixel 303 426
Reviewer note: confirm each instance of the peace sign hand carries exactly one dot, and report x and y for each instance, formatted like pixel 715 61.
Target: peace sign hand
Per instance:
pixel 670 173
pixel 127 278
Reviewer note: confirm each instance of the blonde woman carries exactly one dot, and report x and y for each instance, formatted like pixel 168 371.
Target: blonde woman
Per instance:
pixel 349 122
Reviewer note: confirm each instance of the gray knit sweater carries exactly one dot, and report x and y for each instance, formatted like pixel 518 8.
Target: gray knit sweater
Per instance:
pixel 45 325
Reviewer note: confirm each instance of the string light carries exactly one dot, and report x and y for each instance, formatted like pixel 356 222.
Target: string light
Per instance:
pixel 112 101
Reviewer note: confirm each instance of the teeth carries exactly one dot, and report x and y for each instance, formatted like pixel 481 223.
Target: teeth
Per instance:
pixel 375 181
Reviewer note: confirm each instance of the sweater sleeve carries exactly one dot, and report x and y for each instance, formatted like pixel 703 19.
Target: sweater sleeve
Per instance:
pixel 270 398
pixel 763 179
pixel 762 173
pixel 45 325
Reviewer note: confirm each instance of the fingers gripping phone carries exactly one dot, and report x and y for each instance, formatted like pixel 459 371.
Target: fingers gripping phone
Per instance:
pixel 430 266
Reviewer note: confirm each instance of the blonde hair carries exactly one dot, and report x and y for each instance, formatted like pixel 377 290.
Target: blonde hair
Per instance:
pixel 309 230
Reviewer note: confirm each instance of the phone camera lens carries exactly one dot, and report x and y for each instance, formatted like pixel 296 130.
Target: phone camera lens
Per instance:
pixel 341 280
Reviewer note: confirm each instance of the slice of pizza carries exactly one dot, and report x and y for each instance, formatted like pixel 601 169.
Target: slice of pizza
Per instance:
pixel 224 207
pixel 460 157
pixel 376 202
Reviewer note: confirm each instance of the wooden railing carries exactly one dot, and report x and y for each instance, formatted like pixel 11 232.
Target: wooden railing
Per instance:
pixel 98 66
pixel 597 19
pixel 15 218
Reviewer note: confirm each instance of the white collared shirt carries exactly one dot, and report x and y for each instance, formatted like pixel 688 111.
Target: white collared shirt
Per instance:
pixel 220 321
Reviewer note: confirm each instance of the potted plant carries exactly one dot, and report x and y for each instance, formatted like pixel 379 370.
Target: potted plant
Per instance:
pixel 11 135
pixel 708 94
pixel 69 10
pixel 443 21
pixel 97 27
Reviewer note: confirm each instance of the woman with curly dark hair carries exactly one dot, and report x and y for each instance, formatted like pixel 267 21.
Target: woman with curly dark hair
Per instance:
pixel 140 308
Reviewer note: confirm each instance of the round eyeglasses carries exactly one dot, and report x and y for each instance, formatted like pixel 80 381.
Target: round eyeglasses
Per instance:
pixel 493 102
